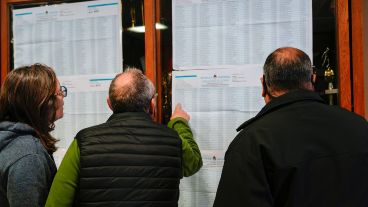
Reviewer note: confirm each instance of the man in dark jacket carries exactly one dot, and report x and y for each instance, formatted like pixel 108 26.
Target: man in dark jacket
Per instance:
pixel 130 160
pixel 297 151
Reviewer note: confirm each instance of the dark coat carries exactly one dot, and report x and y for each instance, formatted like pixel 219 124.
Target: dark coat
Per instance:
pixel 297 152
pixel 129 161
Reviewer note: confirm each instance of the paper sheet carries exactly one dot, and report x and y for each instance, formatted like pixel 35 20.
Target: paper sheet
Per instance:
pixel 218 101
pixel 83 43
pixel 222 33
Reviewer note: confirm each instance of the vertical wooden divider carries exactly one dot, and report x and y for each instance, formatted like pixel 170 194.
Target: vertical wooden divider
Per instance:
pixel 343 53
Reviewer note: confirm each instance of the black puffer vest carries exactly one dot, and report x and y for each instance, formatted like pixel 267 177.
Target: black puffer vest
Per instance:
pixel 129 161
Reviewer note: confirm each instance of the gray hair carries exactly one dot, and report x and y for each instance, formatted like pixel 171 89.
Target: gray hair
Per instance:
pixel 131 91
pixel 287 69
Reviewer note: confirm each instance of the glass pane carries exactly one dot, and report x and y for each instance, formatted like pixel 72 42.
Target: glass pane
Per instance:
pixel 133 35
pixel 324 46
pixel 166 58
pixel 324 29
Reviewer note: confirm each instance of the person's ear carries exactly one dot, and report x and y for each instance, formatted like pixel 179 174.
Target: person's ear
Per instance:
pixel 109 103
pixel 313 81
pixel 314 78
pixel 152 108
pixel 264 93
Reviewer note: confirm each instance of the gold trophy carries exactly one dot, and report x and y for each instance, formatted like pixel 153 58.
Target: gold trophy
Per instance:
pixel 329 77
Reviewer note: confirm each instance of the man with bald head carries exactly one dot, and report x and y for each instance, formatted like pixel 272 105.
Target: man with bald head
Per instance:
pixel 297 151
pixel 130 160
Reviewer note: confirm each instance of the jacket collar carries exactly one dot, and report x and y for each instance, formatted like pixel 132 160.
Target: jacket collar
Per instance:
pixel 16 127
pixel 284 100
pixel 129 116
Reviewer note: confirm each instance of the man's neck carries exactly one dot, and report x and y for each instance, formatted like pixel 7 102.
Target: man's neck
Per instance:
pixel 274 94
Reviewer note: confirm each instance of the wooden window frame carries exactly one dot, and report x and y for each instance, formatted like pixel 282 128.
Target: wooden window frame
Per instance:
pixel 349 49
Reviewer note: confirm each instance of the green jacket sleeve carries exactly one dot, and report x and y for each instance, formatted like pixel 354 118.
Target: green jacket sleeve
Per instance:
pixel 65 183
pixel 192 159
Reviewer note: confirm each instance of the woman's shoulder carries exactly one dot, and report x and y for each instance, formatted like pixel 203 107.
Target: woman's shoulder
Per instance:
pixel 27 143
pixel 20 147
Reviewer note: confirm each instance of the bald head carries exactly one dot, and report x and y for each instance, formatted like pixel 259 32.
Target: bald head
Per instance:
pixel 131 91
pixel 287 69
